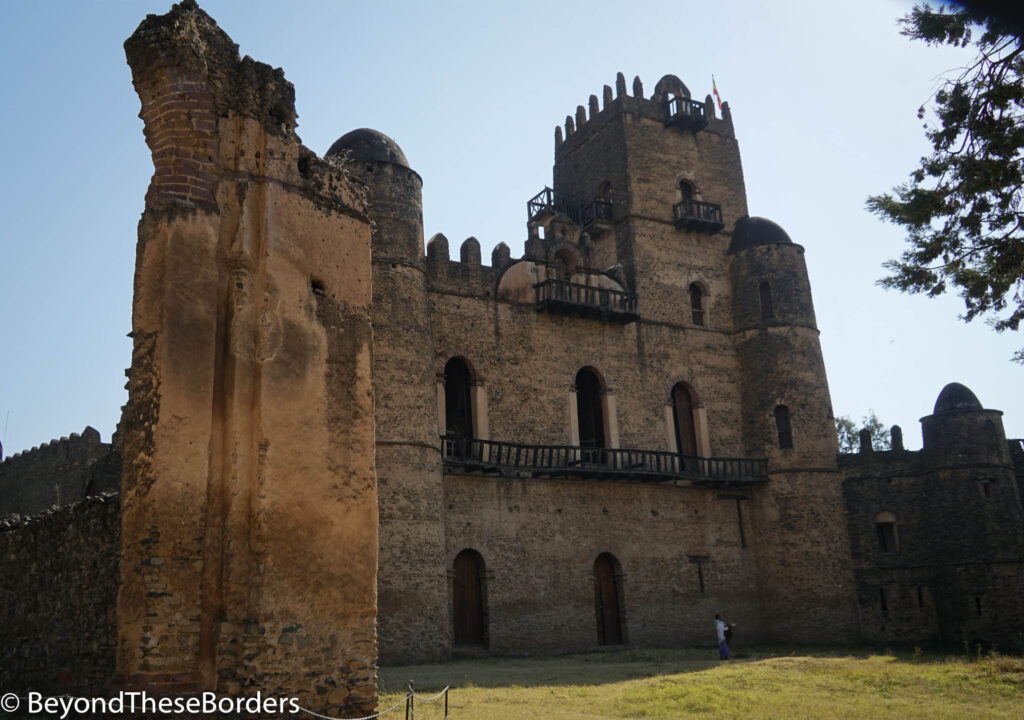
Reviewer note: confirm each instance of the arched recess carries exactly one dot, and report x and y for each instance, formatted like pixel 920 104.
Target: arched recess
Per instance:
pixel 462 406
pixel 686 420
pixel 608 600
pixel 469 602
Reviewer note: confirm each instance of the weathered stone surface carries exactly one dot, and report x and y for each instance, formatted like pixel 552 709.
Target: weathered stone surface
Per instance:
pixel 249 498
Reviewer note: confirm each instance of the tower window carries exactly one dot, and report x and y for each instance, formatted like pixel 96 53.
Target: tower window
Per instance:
pixel 765 291
pixel 885 527
pixel 783 427
pixel 883 601
pixel 697 304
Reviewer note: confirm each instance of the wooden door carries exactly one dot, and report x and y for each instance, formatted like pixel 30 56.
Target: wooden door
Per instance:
pixel 468 599
pixel 686 435
pixel 606 597
pixel 590 416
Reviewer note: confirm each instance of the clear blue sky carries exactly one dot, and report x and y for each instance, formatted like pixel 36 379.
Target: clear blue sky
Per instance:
pixel 824 99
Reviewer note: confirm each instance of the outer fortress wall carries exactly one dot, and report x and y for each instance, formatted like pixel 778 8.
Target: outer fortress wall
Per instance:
pixel 249 527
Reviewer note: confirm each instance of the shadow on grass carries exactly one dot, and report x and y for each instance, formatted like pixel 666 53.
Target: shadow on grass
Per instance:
pixel 599 668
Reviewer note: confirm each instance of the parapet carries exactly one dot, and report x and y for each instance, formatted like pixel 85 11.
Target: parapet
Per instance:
pixel 467 275
pixel 671 103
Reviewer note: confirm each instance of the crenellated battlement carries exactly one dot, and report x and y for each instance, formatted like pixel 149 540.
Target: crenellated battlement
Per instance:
pixel 671 103
pixel 65 448
pixel 57 473
pixel 467 275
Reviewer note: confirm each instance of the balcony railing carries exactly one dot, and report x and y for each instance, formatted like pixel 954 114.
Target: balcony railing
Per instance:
pixel 686 113
pixel 520 460
pixel 548 202
pixel 699 216
pixel 574 299
pixel 596 214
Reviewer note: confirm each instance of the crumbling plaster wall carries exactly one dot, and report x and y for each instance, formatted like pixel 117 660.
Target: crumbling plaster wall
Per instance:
pixel 249 498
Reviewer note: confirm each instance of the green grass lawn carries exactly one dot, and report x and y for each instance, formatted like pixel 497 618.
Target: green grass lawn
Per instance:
pixel 768 682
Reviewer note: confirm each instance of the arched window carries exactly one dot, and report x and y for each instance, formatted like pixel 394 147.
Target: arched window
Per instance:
pixel 697 304
pixel 469 608
pixel 783 427
pixel 606 600
pixel 885 526
pixel 589 413
pixel 458 407
pixel 765 291
pixel 605 192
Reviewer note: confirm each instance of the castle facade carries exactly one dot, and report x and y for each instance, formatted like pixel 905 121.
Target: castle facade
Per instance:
pixel 342 448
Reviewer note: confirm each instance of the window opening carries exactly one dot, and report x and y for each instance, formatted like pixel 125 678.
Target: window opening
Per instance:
pixel 458 407
pixel 686 432
pixel 590 415
pixel 885 526
pixel 783 427
pixel 697 304
pixel 882 599
pixel 765 291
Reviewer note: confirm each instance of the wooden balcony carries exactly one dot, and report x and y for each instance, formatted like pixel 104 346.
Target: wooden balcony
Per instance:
pixel 596 215
pixel 685 113
pixel 547 202
pixel 505 459
pixel 567 298
pixel 698 216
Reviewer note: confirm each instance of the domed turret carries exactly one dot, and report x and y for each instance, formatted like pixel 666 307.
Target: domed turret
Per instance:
pixel 961 431
pixel 956 398
pixel 753 231
pixel 367 144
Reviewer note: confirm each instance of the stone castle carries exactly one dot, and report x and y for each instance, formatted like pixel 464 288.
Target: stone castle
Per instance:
pixel 340 450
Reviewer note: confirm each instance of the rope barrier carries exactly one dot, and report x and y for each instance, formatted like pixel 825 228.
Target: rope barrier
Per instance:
pixel 368 717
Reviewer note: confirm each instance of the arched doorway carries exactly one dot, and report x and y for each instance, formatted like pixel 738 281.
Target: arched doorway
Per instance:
pixel 606 601
pixel 458 407
pixel 590 415
pixel 468 600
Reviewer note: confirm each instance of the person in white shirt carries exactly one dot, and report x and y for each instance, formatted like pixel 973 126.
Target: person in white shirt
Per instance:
pixel 723 645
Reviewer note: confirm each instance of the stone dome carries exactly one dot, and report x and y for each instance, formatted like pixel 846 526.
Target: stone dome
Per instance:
pixel 751 231
pixel 956 398
pixel 367 144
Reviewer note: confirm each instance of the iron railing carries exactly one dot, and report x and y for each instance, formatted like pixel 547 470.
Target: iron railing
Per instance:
pixel 686 113
pixel 697 215
pixel 576 299
pixel 517 459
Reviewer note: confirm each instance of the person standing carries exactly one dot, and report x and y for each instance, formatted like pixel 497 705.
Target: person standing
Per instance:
pixel 721 628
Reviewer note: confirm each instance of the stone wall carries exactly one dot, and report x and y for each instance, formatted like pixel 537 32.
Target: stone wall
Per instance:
pixel 249 500
pixel 956 572
pixel 59 472
pixel 58 598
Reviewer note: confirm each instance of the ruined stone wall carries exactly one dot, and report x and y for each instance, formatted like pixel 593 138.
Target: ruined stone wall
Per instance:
pixel 58 593
pixel 60 472
pixel 249 524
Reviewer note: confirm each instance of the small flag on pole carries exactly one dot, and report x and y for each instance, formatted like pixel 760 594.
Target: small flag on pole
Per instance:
pixel 714 89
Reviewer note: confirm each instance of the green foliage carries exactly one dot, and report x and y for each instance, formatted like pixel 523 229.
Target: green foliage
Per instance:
pixel 963 208
pixel 849 434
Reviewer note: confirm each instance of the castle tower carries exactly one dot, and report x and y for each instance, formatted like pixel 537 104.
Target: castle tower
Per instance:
pixel 666 175
pixel 671 172
pixel 787 417
pixel 412 592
